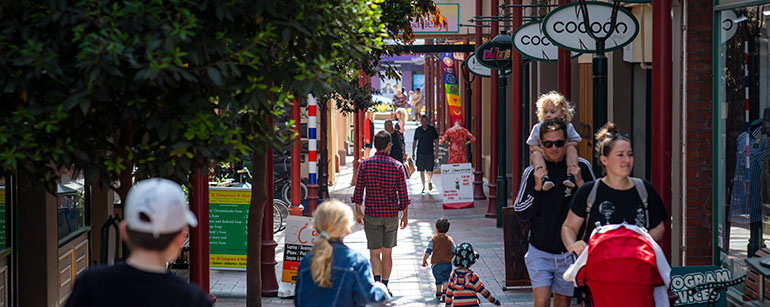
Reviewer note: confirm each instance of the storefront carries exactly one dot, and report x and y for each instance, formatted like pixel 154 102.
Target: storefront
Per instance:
pixel 741 123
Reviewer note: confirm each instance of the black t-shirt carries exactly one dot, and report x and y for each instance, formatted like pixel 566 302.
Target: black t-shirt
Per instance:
pixel 614 207
pixel 397 149
pixel 424 139
pixel 124 285
pixel 546 210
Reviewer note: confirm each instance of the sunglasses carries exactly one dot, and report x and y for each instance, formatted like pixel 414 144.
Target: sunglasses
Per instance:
pixel 559 143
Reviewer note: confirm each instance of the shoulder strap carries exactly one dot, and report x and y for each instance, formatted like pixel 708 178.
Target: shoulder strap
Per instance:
pixel 590 203
pixel 641 189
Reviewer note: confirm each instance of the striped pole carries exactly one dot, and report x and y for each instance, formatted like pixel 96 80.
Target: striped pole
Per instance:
pixel 312 144
pixel 747 152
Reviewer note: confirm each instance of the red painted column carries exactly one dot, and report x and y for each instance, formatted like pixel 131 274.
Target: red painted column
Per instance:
pixel 437 79
pixel 269 281
pixel 428 82
pixel 478 181
pixel 296 152
pixel 199 236
pixel 357 135
pixel 493 125
pixel 516 92
pixel 662 70
pixel 565 67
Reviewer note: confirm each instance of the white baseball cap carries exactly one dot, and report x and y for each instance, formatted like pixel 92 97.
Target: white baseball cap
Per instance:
pixel 157 206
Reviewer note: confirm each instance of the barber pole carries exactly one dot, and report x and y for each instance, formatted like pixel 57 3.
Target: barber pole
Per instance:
pixel 311 140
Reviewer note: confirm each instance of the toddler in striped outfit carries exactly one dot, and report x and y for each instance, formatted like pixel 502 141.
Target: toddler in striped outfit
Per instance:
pixel 464 284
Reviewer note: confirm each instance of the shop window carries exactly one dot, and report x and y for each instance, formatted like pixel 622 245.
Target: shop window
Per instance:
pixel 70 215
pixel 743 100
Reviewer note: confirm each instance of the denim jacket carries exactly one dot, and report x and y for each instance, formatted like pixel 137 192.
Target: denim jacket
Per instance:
pixel 352 281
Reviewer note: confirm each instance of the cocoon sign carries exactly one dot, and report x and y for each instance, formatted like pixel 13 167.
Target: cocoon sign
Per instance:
pixel 564 27
pixel 530 41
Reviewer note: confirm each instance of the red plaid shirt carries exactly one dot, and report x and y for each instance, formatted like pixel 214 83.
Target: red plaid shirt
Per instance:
pixel 384 180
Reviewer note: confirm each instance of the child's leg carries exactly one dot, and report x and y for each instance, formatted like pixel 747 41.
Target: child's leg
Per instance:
pixel 538 162
pixel 572 156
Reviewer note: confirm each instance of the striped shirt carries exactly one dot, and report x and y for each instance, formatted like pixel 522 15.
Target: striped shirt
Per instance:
pixel 462 289
pixel 384 181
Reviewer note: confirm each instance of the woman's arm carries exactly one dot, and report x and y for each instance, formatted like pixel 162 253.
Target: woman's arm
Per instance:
pixel 569 231
pixel 657 232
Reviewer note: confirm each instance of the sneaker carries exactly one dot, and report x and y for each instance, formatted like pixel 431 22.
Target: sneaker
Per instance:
pixel 438 293
pixel 430 186
pixel 569 182
pixel 547 183
pixel 423 191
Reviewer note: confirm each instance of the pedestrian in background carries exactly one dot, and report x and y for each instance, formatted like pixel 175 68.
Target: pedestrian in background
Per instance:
pixel 383 180
pixel 368 137
pixel 426 142
pixel 397 142
pixel 155 228
pixel 416 99
pixel 333 274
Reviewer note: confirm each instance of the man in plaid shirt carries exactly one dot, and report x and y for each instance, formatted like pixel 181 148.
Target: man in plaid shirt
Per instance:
pixel 384 181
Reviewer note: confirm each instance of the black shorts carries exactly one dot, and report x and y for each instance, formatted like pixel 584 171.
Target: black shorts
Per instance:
pixel 425 163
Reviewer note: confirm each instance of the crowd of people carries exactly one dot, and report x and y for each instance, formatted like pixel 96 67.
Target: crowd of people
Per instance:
pixel 556 197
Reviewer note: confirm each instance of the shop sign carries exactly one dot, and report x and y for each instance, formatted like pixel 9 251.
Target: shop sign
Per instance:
pixel 450 11
pixel 473 65
pixel 530 41
pixel 728 25
pixel 496 54
pixel 687 277
pixel 564 27
pixel 228 222
pixel 300 236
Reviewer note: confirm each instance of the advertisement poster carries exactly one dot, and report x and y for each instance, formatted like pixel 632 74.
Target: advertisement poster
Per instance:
pixel 454 103
pixel 300 237
pixel 457 184
pixel 687 277
pixel 228 218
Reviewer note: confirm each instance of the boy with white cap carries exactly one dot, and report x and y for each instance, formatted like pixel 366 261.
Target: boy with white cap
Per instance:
pixel 155 226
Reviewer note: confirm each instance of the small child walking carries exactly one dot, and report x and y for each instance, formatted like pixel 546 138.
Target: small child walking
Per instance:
pixel 554 105
pixel 464 284
pixel 441 248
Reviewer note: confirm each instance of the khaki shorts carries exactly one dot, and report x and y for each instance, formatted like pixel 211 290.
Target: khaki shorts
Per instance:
pixel 380 231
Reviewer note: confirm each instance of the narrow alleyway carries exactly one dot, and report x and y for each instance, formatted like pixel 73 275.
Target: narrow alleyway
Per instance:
pixel 411 284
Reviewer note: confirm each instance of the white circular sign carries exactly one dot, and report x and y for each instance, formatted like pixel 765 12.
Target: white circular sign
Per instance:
pixel 564 27
pixel 476 68
pixel 728 25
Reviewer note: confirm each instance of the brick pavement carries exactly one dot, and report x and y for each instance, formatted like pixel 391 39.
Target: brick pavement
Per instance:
pixel 411 284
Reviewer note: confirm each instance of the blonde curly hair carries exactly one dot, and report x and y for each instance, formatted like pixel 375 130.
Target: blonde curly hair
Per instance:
pixel 553 99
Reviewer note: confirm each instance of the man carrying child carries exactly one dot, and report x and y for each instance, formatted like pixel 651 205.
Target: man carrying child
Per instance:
pixel 546 257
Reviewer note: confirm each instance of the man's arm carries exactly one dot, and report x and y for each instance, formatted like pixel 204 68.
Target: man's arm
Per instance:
pixel 403 197
pixel 358 193
pixel 529 200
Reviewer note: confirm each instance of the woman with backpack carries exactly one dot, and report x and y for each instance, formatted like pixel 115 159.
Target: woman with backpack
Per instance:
pixel 614 199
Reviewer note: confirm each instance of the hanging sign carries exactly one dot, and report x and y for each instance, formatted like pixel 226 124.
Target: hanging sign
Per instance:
pixel 565 28
pixel 300 236
pixel 496 54
pixel 457 185
pixel 473 65
pixel 530 41
pixel 454 104
pixel 728 25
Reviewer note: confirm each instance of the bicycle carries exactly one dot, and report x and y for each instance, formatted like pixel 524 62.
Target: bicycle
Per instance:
pixel 284 182
pixel 280 213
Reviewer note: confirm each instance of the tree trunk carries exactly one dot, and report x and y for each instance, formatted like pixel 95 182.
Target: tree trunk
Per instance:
pixel 253 246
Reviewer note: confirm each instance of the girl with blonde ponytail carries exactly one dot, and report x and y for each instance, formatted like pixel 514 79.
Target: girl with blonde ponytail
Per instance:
pixel 332 274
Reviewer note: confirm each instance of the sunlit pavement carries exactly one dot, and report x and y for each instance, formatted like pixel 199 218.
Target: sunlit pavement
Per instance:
pixel 411 284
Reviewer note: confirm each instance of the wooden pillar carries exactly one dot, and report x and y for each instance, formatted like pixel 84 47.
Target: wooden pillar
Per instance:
pixel 199 236
pixel 662 96
pixel 37 246
pixel 565 68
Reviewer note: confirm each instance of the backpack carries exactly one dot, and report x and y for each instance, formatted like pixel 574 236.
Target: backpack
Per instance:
pixel 640 189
